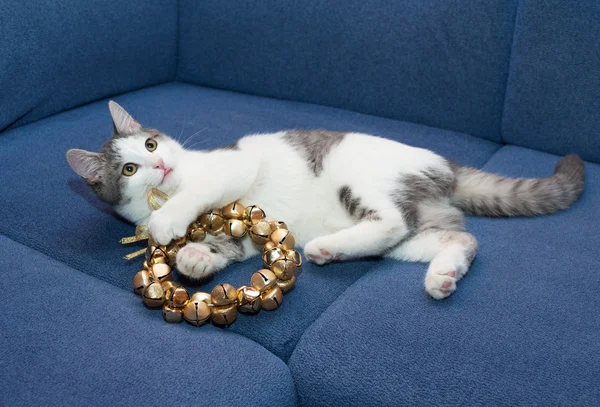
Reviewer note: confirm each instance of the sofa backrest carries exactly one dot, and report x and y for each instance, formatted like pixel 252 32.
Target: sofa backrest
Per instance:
pixel 553 94
pixel 55 55
pixel 437 62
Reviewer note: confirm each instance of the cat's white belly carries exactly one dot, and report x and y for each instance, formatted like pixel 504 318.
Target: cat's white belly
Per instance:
pixel 287 190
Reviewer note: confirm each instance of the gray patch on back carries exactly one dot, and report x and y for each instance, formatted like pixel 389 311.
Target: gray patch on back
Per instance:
pixel 314 145
pixel 415 189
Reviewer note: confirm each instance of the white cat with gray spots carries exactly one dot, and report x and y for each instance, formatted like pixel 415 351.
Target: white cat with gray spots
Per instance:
pixel 344 195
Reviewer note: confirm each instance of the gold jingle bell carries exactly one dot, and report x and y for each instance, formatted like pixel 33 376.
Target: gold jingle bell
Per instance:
pixel 272 299
pixel 235 228
pixel 284 268
pixel 212 222
pixel 234 210
pixel 253 214
pixel 196 233
pixel 156 254
pixel 263 280
pixel 286 285
pixel 147 265
pixel 224 315
pixel 167 287
pixel 141 280
pixel 172 254
pixel 260 231
pixel 295 256
pixel 277 225
pixel 271 255
pixel 162 272
pixel 172 314
pixel 153 295
pixel 269 245
pixel 176 296
pixel 196 312
pixel 283 238
pixel 201 296
pixel 223 294
pixel 249 301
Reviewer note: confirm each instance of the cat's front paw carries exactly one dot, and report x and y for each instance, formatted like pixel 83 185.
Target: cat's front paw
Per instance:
pixel 321 253
pixel 196 261
pixel 166 225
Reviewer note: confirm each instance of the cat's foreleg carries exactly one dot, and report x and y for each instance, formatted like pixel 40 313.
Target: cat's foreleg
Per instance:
pixel 219 185
pixel 370 237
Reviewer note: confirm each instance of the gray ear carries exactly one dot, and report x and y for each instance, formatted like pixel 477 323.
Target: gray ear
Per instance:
pixel 124 123
pixel 87 164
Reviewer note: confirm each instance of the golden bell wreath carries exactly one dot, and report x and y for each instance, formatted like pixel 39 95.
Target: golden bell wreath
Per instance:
pixel 267 286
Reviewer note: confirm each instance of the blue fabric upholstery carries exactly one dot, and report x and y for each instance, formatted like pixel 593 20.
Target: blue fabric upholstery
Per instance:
pixel 69 339
pixel 46 201
pixel 553 94
pixel 55 55
pixel 440 63
pixel 522 328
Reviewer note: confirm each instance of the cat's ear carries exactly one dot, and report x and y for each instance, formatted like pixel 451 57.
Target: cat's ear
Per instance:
pixel 87 164
pixel 123 122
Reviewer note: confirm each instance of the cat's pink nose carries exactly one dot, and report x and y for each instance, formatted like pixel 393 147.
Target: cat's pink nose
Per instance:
pixel 161 166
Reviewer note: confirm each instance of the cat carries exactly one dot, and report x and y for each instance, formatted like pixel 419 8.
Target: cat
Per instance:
pixel 345 196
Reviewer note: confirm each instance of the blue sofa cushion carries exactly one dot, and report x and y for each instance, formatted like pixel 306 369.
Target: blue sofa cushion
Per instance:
pixel 70 339
pixel 553 95
pixel 55 55
pixel 443 64
pixel 46 206
pixel 522 328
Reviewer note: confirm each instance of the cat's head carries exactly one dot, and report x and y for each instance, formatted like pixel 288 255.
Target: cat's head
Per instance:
pixel 134 160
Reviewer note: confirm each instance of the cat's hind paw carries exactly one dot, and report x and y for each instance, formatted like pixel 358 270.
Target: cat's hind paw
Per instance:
pixel 440 286
pixel 197 262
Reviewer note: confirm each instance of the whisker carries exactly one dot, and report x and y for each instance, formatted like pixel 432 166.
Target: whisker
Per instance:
pixel 190 137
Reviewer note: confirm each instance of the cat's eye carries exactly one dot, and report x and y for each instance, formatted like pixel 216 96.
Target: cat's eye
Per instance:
pixel 129 169
pixel 151 145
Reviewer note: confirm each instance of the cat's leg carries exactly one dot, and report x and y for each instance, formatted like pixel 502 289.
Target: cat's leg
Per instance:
pixel 370 237
pixel 198 261
pixel 450 253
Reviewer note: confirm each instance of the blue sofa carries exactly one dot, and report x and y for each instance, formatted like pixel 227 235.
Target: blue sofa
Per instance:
pixel 505 85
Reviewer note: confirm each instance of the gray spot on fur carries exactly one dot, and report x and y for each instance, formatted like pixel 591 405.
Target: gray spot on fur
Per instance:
pixel 353 207
pixel 415 189
pixel 314 144
pixel 230 248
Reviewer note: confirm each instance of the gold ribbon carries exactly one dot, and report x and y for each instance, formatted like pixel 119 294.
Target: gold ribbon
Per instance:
pixel 141 231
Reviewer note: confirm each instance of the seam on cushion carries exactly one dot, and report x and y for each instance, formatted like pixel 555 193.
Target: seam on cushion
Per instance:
pixel 129 291
pixel 89 102
pixel 510 70
pixel 12 239
pixel 358 281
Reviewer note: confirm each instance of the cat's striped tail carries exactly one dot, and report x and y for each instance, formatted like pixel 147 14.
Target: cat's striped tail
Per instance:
pixel 483 194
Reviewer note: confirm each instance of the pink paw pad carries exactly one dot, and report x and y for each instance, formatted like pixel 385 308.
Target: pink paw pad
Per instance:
pixel 324 252
pixel 447 284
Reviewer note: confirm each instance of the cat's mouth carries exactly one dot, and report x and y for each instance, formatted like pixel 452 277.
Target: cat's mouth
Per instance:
pixel 166 176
